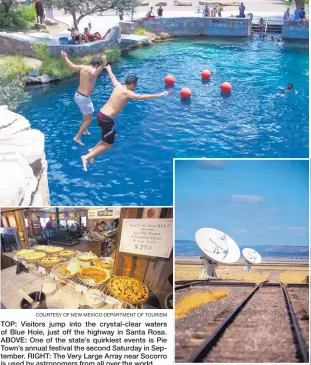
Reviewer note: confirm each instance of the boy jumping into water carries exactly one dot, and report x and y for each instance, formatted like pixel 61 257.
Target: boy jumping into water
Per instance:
pixel 88 77
pixel 120 96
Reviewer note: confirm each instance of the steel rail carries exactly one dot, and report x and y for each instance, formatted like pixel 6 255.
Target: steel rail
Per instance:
pixel 212 339
pixel 301 353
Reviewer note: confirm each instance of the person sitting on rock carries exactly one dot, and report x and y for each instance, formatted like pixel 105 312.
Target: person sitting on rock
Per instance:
pixel 93 37
pixel 150 13
pixel 77 37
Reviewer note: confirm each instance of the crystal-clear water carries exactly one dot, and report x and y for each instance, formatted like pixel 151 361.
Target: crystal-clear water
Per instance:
pixel 251 122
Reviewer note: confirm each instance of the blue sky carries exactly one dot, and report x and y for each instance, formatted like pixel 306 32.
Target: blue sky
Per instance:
pixel 255 202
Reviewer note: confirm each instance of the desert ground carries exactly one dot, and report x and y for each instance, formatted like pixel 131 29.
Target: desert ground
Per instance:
pixel 284 270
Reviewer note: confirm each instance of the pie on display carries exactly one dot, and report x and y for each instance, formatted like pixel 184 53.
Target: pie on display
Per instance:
pixel 104 264
pixel 128 289
pixel 87 256
pixel 97 274
pixel 23 253
pixel 67 253
pixel 34 256
pixel 50 260
pixel 49 249
pixel 64 271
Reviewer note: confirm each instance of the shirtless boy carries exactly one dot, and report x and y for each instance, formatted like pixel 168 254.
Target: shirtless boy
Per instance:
pixel 88 77
pixel 120 96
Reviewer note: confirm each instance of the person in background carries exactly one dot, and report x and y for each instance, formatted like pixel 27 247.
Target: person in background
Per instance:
pixel 219 9
pixel 49 225
pixel 302 16
pixel 212 13
pixel 242 11
pixel 150 12
pixel 160 12
pixel 78 38
pixel 286 14
pixel 288 90
pixel 215 11
pixel 39 10
pixel 261 24
pixel 206 11
pixel 296 14
pixel 94 37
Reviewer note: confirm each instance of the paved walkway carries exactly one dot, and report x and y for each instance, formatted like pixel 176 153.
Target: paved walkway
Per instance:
pixel 103 23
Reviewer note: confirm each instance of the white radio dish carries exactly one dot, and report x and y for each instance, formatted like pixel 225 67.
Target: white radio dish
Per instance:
pixel 217 247
pixel 251 256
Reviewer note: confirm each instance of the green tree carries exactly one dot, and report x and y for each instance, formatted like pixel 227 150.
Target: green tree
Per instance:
pixel 82 8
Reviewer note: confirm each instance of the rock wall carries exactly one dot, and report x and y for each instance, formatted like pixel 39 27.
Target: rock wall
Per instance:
pixel 21 43
pixel 234 27
pixel 11 43
pixel 295 29
pixel 23 164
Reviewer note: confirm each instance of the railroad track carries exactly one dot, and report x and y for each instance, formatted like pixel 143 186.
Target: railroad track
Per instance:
pixel 270 324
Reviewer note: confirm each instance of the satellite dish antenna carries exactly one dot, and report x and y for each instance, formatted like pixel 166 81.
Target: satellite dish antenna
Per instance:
pixel 251 256
pixel 218 248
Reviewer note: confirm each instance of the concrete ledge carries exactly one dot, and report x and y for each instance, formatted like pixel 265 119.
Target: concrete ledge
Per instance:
pixel 295 29
pixel 194 26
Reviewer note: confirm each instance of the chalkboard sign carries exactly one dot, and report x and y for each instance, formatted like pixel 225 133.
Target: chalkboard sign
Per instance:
pixel 147 237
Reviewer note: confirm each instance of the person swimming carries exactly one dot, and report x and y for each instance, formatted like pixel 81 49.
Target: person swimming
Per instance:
pixel 119 98
pixel 289 89
pixel 88 77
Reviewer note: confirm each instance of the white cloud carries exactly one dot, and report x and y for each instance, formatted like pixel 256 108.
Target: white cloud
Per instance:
pixel 297 228
pixel 242 230
pixel 249 198
pixel 294 229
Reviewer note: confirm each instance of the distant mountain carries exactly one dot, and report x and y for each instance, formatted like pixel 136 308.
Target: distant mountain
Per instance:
pixel 190 248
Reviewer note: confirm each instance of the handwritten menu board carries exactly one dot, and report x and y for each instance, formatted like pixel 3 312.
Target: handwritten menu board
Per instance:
pixel 148 237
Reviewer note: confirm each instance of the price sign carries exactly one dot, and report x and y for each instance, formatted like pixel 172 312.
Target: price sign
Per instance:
pixel 148 237
pixel 15 258
pixel 23 262
pixel 81 288
pixel 41 270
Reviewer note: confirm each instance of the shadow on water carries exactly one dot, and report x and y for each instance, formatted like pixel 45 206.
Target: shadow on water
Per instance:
pixel 225 95
pixel 206 81
pixel 186 102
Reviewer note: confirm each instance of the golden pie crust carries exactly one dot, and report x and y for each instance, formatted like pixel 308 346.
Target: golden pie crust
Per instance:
pixel 104 264
pixel 95 273
pixel 49 249
pixel 128 289
pixel 50 260
pixel 34 256
pixel 67 253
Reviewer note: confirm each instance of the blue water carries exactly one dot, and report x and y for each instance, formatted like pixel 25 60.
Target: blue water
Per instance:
pixel 251 122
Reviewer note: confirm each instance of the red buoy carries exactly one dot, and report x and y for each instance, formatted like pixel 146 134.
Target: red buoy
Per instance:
pixel 226 87
pixel 185 93
pixel 206 74
pixel 169 80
